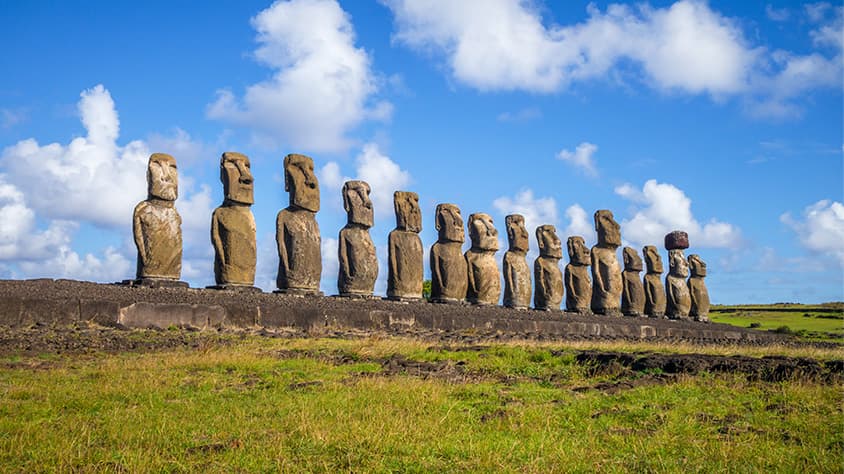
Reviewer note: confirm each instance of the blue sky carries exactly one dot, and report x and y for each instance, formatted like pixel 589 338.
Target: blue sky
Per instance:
pixel 720 118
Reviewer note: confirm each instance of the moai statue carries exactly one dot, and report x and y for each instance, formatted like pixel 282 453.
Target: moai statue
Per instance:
pixel 405 272
pixel 654 289
pixel 358 263
pixel 156 225
pixel 516 270
pixel 449 278
pixel 484 286
pixel 678 299
pixel 697 289
pixel 297 231
pixel 606 272
pixel 578 286
pixel 233 226
pixel 633 296
pixel 548 293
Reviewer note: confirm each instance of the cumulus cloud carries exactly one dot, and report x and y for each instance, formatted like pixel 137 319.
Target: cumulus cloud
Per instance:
pixel 821 229
pixel 19 236
pixel 581 157
pixel 536 211
pixel 777 14
pixel 686 47
pixel 322 85
pixel 384 176
pixel 660 208
pixel 580 223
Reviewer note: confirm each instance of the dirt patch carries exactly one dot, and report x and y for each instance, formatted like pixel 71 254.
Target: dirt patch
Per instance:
pixel 768 369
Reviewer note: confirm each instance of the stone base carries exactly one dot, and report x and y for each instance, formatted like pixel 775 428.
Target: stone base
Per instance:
pixel 298 292
pixel 447 301
pixel 701 318
pixel 657 316
pixel 517 308
pixel 475 302
pixel 614 312
pixel 155 283
pixel 635 314
pixel 680 317
pixel 357 296
pixel 236 288
pixel 585 311
pixel 405 299
pixel 547 309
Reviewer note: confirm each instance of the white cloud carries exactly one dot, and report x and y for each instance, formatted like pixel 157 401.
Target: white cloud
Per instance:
pixel 330 265
pixel 11 117
pixel 523 115
pixel 322 85
pixel 581 157
pixel 660 208
pixel 686 47
pixel 112 266
pixel 821 230
pixel 536 211
pixel 777 14
pixel 19 237
pixel 580 223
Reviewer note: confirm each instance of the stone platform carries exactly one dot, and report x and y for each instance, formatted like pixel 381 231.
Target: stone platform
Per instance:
pixel 45 301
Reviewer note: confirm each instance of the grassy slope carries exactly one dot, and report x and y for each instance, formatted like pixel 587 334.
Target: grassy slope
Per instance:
pixel 827 326
pixel 242 407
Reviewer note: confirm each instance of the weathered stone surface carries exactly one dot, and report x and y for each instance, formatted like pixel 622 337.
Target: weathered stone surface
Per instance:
pixel 699 310
pixel 405 271
pixel 676 240
pixel 517 285
pixel 654 289
pixel 678 299
pixel 297 232
pixel 358 263
pixel 156 224
pixel 548 293
pixel 578 286
pixel 233 225
pixel 633 296
pixel 606 272
pixel 484 286
pixel 449 278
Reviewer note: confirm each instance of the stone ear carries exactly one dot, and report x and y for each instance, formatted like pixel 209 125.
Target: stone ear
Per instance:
pixel 346 205
pixel 438 223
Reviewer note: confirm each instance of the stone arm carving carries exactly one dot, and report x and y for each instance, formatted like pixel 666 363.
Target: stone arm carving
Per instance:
pixel 281 241
pixel 393 248
pixel 649 288
pixel 625 288
pixel 569 286
pixel 675 293
pixel 510 278
pixel 139 236
pixel 539 277
pixel 215 238
pixel 470 288
pixel 598 278
pixel 436 273
pixel 343 255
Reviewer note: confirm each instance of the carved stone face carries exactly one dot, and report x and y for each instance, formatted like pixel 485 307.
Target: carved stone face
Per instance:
pixel 408 215
pixel 652 259
pixel 609 232
pixel 449 223
pixel 632 261
pixel 677 265
pixel 549 244
pixel 301 182
pixel 162 177
pixel 357 203
pixel 517 234
pixel 697 266
pixel 482 232
pixel 579 253
pixel 236 177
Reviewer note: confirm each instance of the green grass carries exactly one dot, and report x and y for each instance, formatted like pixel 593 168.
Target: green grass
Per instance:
pixel 265 405
pixel 804 321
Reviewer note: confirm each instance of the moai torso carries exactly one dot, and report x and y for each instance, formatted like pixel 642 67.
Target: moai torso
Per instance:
pixel 606 272
pixel 654 289
pixel 633 295
pixel 449 276
pixel 233 226
pixel 405 271
pixel 156 224
pixel 233 234
pixel 516 271
pixel 484 285
pixel 699 309
pixel 548 294
pixel 578 286
pixel 358 263
pixel 297 232
pixel 678 298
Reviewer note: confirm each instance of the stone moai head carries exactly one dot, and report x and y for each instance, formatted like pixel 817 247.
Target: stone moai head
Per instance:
pixel 632 261
pixel 482 232
pixel 357 204
pixel 652 259
pixel 677 265
pixel 301 182
pixel 449 223
pixel 697 266
pixel 236 177
pixel 609 232
pixel 162 177
pixel 579 253
pixel 408 215
pixel 517 234
pixel 549 244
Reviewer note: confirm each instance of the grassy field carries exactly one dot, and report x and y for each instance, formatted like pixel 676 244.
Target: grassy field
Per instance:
pixel 816 322
pixel 399 405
